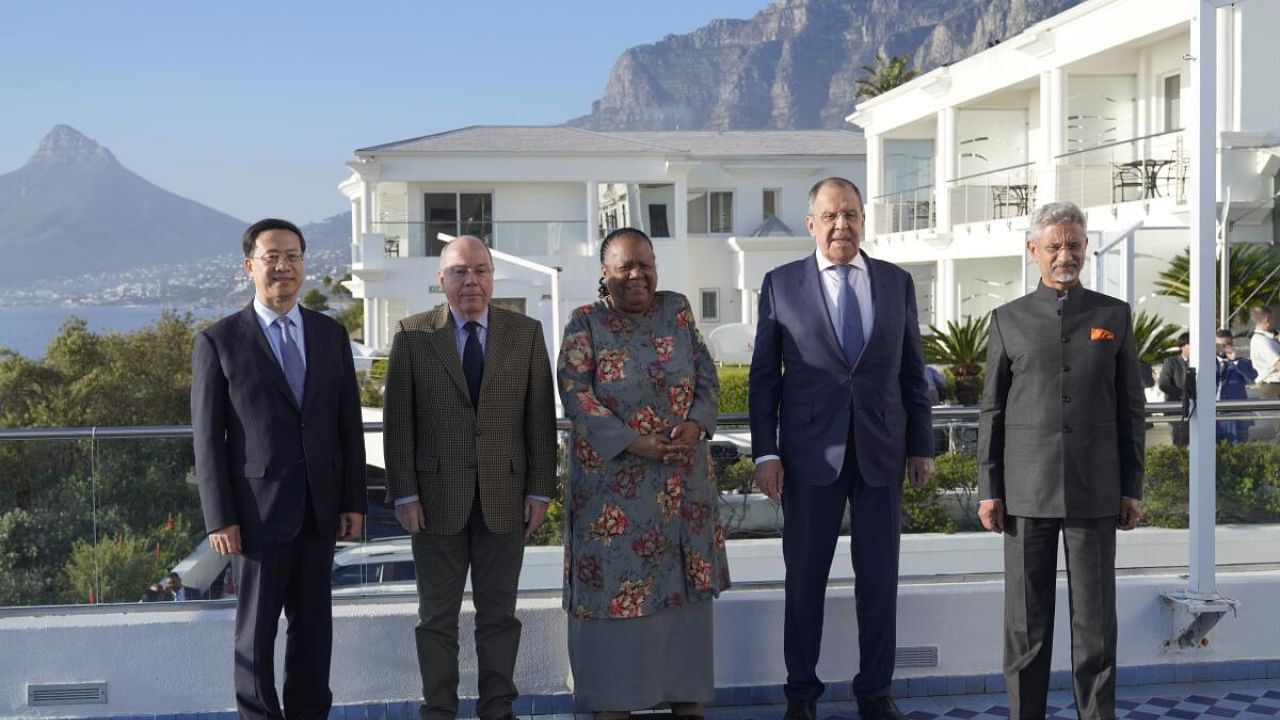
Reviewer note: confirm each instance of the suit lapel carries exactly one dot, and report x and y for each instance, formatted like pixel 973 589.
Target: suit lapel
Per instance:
pixel 816 296
pixel 496 347
pixel 312 330
pixel 266 357
pixel 879 310
pixel 444 342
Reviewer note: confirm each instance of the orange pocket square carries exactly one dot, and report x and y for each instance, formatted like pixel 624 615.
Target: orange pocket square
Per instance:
pixel 1097 334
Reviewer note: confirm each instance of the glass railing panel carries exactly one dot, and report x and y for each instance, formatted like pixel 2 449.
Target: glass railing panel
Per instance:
pixel 1000 194
pixel 48 525
pixel 150 526
pixel 1152 168
pixel 905 211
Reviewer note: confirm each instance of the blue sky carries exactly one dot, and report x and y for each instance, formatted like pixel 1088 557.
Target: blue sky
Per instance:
pixel 253 107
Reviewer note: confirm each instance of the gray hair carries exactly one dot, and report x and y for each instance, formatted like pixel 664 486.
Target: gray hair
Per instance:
pixel 1057 213
pixel 839 182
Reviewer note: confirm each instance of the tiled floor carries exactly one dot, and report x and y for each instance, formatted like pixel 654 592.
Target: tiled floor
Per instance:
pixel 1241 699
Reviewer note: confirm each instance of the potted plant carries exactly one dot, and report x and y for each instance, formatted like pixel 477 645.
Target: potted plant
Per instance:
pixel 963 349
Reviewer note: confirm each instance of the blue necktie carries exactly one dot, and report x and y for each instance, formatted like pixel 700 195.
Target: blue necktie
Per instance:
pixel 291 359
pixel 473 361
pixel 850 317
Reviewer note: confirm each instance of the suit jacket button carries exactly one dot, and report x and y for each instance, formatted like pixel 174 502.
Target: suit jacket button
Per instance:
pixel 1065 338
pixel 477 432
pixel 1066 368
pixel 1066 428
pixel 1066 398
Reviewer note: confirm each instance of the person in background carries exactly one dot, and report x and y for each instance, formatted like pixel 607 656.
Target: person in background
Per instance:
pixel 1173 383
pixel 177 591
pixel 1234 373
pixel 1264 352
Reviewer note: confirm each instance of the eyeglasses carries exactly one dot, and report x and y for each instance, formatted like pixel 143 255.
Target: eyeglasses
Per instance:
pixel 272 259
pixel 829 218
pixel 460 272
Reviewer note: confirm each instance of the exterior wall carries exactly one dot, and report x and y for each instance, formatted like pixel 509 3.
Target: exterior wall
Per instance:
pixel 374 656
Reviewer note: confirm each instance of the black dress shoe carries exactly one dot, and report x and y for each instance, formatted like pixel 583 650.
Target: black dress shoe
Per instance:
pixel 879 708
pixel 801 710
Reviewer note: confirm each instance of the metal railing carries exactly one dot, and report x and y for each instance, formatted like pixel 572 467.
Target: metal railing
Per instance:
pixel 102 512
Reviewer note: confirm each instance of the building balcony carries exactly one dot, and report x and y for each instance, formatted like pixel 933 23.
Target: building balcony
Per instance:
pixel 525 238
pixel 910 210
pixel 1001 194
pixel 1153 170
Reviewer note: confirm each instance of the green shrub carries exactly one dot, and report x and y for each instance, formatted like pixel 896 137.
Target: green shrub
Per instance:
pixel 733 388
pixel 1248 485
pixel 738 475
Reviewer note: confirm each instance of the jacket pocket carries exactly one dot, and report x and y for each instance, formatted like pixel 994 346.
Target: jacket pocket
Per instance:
pixel 428 463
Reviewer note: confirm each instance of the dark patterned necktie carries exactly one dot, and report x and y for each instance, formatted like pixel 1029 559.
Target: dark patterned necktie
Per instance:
pixel 850 317
pixel 291 360
pixel 473 361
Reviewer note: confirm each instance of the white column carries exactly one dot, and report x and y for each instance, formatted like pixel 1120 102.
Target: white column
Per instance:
pixel 944 166
pixel 366 204
pixel 680 192
pixel 593 219
pixel 875 182
pixel 1046 175
pixel 1055 133
pixel 944 297
pixel 1202 137
pixel 1227 96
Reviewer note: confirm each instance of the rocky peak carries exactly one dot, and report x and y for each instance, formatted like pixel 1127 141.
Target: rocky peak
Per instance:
pixel 794 65
pixel 65 144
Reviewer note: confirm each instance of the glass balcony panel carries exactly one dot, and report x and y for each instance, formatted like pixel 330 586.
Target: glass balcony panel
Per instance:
pixel 905 211
pixel 999 194
pixel 1153 168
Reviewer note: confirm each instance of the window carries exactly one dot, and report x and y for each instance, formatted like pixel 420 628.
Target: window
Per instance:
pixel 710 211
pixel 710 302
pixel 772 198
pixel 1173 103
pixel 658 220
pixel 457 214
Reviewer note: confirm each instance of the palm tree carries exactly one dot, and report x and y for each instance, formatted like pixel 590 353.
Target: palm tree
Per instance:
pixel 1154 338
pixel 963 349
pixel 887 74
pixel 1255 277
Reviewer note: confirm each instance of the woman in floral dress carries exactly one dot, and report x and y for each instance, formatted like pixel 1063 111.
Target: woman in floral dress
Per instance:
pixel 644 548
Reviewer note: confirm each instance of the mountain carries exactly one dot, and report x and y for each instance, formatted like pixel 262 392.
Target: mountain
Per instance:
pixel 74 209
pixel 795 64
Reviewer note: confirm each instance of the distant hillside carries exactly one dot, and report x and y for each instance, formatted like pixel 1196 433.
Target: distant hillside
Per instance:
pixel 74 209
pixel 795 64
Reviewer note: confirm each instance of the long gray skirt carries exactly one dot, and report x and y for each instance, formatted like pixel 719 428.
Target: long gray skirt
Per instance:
pixel 637 663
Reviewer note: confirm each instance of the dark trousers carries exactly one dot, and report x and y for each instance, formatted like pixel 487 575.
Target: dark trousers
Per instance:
pixel 292 576
pixel 1031 578
pixel 441 562
pixel 811 525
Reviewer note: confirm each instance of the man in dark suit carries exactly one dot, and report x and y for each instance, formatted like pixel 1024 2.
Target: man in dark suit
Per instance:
pixel 470 438
pixel 1173 383
pixel 1060 443
pixel 839 405
pixel 1234 373
pixel 279 449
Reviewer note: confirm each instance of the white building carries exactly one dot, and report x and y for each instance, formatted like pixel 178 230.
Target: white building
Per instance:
pixel 722 209
pixel 1086 106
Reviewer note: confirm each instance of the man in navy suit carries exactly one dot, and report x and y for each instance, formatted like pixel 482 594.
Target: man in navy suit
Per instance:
pixel 839 406
pixel 279 449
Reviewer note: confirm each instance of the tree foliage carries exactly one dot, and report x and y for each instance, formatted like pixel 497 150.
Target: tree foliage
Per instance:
pixel 1254 278
pixel 887 74
pixel 54 493
pixel 1155 338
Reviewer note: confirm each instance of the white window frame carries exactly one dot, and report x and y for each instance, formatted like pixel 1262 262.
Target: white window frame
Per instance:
pixel 707 193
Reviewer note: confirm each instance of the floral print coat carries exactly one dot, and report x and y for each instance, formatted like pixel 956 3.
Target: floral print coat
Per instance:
pixel 641 535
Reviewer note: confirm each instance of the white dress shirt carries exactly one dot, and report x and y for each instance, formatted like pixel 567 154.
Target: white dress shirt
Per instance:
pixel 1264 351
pixel 267 321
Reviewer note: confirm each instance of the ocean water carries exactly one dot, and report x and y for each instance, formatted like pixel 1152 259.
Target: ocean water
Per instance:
pixel 27 329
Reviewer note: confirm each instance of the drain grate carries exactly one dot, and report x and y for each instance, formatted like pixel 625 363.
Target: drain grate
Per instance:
pixel 92 693
pixel 920 656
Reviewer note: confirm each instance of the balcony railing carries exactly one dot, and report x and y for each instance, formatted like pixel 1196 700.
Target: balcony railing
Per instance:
pixel 98 515
pixel 1151 168
pixel 998 194
pixel 905 211
pixel 518 237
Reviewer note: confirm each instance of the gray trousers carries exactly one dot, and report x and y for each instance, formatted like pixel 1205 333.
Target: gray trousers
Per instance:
pixel 441 562
pixel 1031 577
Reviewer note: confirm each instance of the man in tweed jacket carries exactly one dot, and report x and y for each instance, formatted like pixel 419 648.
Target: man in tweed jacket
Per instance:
pixel 470 440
